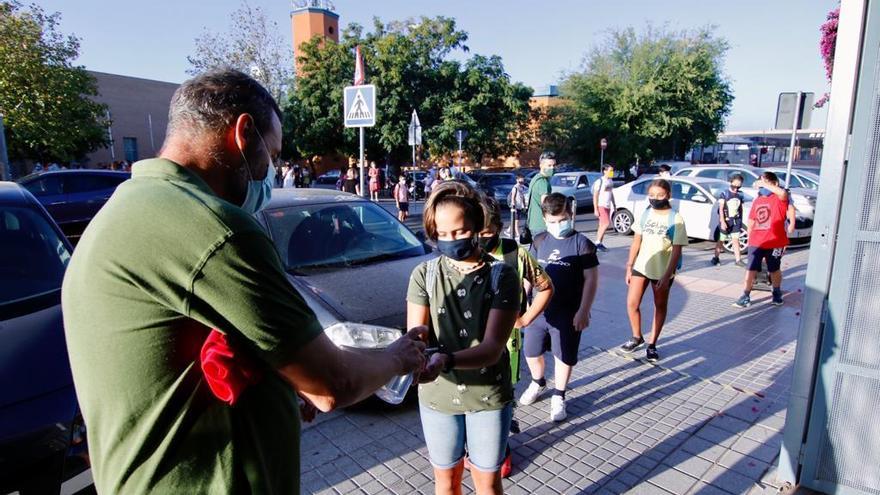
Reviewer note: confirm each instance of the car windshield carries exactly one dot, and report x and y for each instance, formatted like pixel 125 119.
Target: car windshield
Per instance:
pixel 339 234
pixel 563 180
pixel 34 255
pixel 498 180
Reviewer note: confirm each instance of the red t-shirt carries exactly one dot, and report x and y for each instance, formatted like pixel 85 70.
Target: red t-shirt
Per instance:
pixel 768 227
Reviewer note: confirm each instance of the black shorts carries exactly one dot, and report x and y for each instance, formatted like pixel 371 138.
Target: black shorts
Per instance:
pixel 404 207
pixel 636 273
pixel 772 255
pixel 561 339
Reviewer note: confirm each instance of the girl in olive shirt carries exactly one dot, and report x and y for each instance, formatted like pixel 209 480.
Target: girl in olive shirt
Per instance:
pixel 470 301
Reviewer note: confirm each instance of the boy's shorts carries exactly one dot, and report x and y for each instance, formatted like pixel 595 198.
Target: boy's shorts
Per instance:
pixel 559 337
pixel 404 207
pixel 734 227
pixel 772 255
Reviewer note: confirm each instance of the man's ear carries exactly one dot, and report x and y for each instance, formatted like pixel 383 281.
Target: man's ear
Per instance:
pixel 241 131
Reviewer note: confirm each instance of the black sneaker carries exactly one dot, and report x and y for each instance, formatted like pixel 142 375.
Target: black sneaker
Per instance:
pixel 514 427
pixel 601 247
pixel 715 261
pixel 632 344
pixel 777 298
pixel 651 354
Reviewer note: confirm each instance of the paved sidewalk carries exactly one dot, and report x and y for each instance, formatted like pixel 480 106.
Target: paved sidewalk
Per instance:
pixel 705 419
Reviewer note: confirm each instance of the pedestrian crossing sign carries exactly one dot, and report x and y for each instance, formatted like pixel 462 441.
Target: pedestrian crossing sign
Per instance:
pixel 359 106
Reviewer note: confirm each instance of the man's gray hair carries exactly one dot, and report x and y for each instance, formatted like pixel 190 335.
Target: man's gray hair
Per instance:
pixel 213 100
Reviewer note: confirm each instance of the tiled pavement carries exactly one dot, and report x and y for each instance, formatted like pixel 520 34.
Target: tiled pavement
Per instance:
pixel 706 419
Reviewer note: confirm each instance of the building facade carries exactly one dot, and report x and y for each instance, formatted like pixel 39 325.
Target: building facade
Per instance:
pixel 138 111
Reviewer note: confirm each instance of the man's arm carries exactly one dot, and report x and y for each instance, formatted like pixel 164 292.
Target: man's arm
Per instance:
pixel 791 215
pixel 330 377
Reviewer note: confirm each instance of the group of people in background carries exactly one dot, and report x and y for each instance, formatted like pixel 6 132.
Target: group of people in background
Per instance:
pixel 294 176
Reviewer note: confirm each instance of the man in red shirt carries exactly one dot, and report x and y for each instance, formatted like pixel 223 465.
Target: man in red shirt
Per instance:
pixel 767 237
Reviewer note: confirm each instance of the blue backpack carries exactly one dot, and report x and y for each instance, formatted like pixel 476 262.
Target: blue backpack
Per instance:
pixel 670 230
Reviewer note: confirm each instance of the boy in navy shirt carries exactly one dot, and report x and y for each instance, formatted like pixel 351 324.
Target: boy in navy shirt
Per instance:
pixel 569 258
pixel 730 216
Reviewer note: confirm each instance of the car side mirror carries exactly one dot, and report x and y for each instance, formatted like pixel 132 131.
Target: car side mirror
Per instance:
pixel 581 186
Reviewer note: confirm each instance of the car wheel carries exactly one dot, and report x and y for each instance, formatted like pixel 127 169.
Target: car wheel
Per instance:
pixel 743 242
pixel 622 221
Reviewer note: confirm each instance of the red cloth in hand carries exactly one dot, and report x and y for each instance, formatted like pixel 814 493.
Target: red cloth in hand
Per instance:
pixel 227 371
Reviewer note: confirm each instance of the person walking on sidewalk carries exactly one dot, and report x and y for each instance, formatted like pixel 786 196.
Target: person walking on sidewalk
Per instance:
pixel 767 237
pixel 654 257
pixel 373 174
pixel 570 260
pixel 531 276
pixel 730 213
pixel 517 201
pixel 350 184
pixel 603 204
pixel 539 188
pixel 471 302
pixel 401 197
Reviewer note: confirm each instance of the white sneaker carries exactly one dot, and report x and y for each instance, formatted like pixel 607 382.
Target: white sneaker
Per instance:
pixel 557 408
pixel 531 394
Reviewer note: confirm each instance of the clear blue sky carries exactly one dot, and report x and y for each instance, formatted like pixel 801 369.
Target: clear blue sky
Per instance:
pixel 774 43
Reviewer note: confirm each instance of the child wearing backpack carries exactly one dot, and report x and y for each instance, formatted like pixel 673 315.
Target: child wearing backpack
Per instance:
pixel 654 257
pixel 470 302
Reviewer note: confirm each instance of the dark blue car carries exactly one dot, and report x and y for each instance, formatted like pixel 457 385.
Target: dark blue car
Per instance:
pixel 73 197
pixel 42 438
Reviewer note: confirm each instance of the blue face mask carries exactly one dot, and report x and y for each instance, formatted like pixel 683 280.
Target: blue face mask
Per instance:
pixel 259 192
pixel 562 229
pixel 459 249
pixel 764 192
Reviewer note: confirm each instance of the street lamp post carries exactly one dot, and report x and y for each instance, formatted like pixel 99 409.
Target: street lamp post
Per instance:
pixel 4 155
pixel 603 143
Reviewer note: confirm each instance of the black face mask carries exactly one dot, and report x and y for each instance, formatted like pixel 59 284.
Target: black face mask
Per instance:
pixel 460 249
pixel 659 204
pixel 489 243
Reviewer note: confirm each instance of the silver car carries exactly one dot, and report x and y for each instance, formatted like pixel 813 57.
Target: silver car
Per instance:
pixel 577 185
pixel 349 258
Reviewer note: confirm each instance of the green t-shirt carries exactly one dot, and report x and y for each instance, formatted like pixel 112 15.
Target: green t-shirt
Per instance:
pixel 459 307
pixel 656 249
pixel 163 262
pixel 539 186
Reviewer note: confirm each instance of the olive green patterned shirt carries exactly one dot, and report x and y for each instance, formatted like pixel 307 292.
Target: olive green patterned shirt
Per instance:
pixel 459 308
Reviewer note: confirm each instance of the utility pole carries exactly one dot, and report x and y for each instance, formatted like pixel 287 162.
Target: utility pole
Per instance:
pixel 5 173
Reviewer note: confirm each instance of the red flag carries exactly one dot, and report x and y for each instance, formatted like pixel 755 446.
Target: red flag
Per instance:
pixel 358 67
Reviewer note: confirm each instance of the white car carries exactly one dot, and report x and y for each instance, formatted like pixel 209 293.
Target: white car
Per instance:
pixel 695 198
pixel 576 185
pixel 800 178
pixel 804 200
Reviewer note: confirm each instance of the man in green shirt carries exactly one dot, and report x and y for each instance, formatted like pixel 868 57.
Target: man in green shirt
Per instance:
pixel 539 188
pixel 175 253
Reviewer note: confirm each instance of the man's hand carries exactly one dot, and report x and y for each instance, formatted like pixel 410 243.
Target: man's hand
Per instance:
pixel 581 320
pixel 522 323
pixel 409 350
pixel 790 228
pixel 723 225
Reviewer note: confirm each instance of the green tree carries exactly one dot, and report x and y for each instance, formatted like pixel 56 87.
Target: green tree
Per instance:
pixel 252 45
pixel 44 97
pixel 652 94
pixel 410 63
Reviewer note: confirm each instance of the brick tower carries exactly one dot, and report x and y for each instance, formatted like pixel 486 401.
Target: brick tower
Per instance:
pixel 310 18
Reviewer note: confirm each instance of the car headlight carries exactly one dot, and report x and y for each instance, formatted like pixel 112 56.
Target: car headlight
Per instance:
pixel 361 336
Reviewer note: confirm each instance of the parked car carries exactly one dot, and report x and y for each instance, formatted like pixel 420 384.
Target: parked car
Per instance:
pixel 500 183
pixel 799 178
pixel 337 248
pixel 73 197
pixel 804 200
pixel 42 436
pixel 576 185
pixel 327 180
pixel 695 198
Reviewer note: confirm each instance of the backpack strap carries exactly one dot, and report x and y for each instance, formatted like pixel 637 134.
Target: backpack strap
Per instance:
pixel 495 277
pixel 431 268
pixel 670 231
